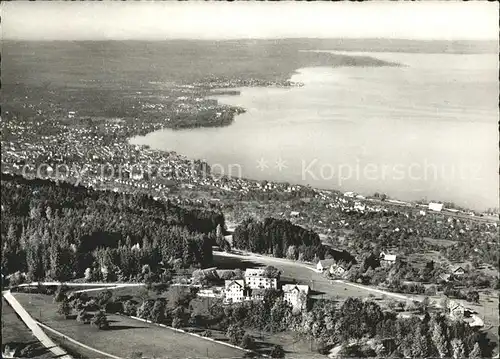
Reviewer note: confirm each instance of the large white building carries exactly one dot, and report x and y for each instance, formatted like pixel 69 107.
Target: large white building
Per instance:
pixel 234 291
pixel 255 278
pixel 296 295
pixel 387 259
pixel 437 207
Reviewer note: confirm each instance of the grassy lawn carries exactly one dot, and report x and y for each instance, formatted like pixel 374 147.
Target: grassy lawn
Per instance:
pixel 126 336
pixel 15 331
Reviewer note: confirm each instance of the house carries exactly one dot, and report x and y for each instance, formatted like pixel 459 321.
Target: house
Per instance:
pixel 387 259
pixel 215 292
pixel 235 291
pixel 256 278
pixel 437 207
pixel 457 271
pixel 457 310
pixel 324 264
pixel 257 294
pixel 445 277
pixel 296 295
pixel 338 269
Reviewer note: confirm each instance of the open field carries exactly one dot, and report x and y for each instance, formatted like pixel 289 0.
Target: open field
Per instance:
pixel 126 335
pixel 15 331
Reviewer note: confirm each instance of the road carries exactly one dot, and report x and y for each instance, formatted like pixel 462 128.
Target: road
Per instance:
pixel 91 284
pixel 34 327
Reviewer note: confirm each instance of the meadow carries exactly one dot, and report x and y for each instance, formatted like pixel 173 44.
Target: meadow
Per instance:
pixel 126 337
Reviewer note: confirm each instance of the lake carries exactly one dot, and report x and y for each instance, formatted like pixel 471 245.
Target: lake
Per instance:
pixel 427 129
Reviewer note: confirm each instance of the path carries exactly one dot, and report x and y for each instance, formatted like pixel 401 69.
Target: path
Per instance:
pixel 91 284
pixel 34 327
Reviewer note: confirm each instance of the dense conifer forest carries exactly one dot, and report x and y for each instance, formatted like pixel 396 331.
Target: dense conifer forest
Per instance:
pixel 60 231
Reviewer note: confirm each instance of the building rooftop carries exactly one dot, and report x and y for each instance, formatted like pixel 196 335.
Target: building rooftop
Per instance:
pixel 290 287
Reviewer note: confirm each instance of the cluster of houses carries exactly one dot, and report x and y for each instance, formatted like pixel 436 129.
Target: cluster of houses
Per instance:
pixel 456 272
pixel 253 286
pixel 338 268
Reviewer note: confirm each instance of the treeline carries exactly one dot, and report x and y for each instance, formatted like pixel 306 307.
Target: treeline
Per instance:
pixel 276 236
pixel 60 231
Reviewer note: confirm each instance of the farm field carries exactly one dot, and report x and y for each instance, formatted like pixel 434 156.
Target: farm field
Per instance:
pixel 126 336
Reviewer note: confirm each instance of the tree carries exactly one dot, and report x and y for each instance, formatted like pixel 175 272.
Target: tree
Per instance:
pixel 277 352
pixel 60 294
pixel 439 339
pixel 129 308
pixel 457 347
pixel 473 296
pixel 64 309
pixel 475 353
pixel 104 297
pixel 420 344
pixel 100 320
pixel 425 304
pixel 271 272
pixel 82 316
pixel 235 334
pixel 444 303
pixel 291 253
pixel 247 342
pixel 144 311
pixel 158 311
pixel 177 322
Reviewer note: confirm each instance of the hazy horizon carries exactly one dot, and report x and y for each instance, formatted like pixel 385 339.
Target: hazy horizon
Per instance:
pixel 49 21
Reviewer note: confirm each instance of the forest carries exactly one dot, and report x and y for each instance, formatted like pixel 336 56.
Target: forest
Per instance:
pixel 59 231
pixel 278 237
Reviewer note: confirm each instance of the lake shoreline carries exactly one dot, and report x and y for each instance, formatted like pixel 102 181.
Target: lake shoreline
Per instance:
pixel 237 92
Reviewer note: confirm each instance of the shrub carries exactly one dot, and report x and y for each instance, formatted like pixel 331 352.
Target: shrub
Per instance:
pixel 91 305
pixel 177 322
pixel 64 309
pixel 60 294
pixel 100 320
pixel 323 348
pixel 130 308
pixel 277 352
pixel 235 334
pixel 104 297
pixel 83 317
pixel 247 342
pixel 29 351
